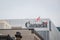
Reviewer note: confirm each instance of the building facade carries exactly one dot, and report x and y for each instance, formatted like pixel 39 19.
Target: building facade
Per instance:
pixel 4 25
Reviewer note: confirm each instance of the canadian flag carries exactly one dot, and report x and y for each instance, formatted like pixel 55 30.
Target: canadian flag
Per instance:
pixel 38 19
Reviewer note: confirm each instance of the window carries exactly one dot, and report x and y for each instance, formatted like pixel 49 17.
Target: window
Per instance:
pixel 58 29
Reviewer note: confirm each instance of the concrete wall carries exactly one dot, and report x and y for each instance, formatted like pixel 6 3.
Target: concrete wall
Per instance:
pixel 54 33
pixel 44 34
pixel 1 25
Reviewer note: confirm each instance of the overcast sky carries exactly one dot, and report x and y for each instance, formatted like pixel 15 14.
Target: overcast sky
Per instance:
pixel 20 9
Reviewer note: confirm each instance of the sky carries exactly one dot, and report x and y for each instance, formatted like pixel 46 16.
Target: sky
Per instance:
pixel 21 9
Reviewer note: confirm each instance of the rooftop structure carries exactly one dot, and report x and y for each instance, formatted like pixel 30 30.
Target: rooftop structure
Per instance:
pixel 44 29
pixel 4 25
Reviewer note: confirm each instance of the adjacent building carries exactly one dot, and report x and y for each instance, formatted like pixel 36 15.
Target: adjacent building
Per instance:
pixel 4 25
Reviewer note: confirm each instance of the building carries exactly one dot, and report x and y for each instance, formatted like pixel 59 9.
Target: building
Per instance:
pixel 4 25
pixel 44 29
